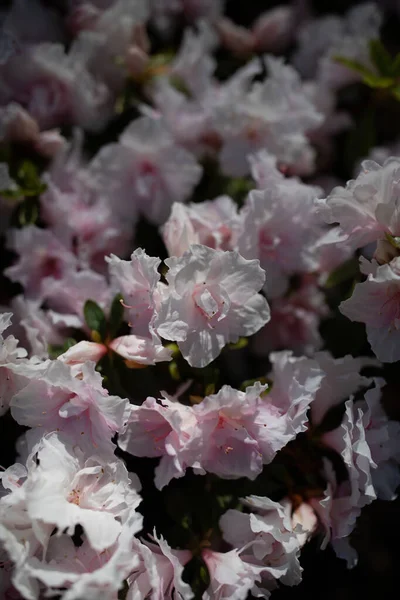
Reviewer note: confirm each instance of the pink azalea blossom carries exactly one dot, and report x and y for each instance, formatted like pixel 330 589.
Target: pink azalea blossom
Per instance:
pixel 241 432
pixel 231 577
pixel 212 300
pixel 376 303
pixel 341 380
pixel 211 223
pixel 321 39
pixel 67 296
pixel 272 115
pixel 54 87
pixel 42 258
pixel 78 406
pixel 166 429
pixel 64 488
pixel 367 208
pixel 159 572
pixel 266 540
pixel 296 382
pixel 84 571
pixel 153 171
pixel 294 323
pixel 278 233
pixel 14 370
pixel 382 436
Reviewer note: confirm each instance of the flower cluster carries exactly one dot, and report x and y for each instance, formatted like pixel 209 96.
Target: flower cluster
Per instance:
pixel 185 403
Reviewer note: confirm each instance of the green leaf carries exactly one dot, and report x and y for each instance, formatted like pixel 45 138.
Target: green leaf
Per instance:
pixel 378 82
pixel 241 343
pixel 210 389
pixel 28 213
pixel 116 316
pixel 56 351
pixel 27 174
pixel 174 371
pixel 380 57
pixel 346 271
pixel 95 318
pixel 396 92
pixel 12 194
pixel 395 72
pixel 353 65
pixel 238 188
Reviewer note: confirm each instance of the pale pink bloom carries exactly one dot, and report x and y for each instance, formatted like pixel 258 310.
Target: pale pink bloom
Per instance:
pixel 42 258
pixel 296 382
pixel 138 282
pixel 67 296
pixel 332 249
pixel 383 437
pixel 84 571
pixel 167 429
pixel 322 39
pixel 211 300
pixel 367 208
pixel 231 578
pixel 294 324
pixel 267 540
pixel 37 331
pixel 152 171
pixel 241 431
pixel 11 360
pixel 159 573
pixel 341 380
pixel 194 63
pixel 112 30
pixel 361 24
pixel 376 302
pixel 64 488
pixel 189 120
pixel 280 228
pixel 54 87
pixel 264 169
pixel 77 406
pixel 272 115
pixel 305 517
pixel 211 223
pixel 79 209
pixel 351 495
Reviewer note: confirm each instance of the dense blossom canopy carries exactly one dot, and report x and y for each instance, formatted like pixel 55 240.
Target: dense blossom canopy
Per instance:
pixel 189 224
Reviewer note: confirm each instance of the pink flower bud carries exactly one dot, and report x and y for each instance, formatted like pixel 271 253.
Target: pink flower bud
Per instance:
pixel 136 61
pixel 237 39
pixel 49 143
pixel 273 30
pixel 19 126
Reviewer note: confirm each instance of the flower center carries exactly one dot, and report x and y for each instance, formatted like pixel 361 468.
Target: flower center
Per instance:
pixel 74 497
